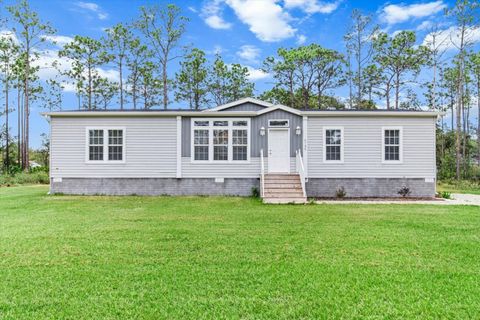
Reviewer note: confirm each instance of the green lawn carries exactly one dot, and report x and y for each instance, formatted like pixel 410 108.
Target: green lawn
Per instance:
pixel 232 258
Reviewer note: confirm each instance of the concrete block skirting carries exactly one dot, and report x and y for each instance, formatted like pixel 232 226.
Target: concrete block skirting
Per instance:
pixel 154 186
pixel 369 187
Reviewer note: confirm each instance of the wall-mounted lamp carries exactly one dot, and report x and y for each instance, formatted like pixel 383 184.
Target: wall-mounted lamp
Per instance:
pixel 262 131
pixel 298 131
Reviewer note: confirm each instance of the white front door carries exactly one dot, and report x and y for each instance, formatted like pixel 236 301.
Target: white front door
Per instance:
pixel 278 150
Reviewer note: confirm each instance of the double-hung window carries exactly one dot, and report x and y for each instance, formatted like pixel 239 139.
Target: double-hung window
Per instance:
pixel 220 140
pixel 392 145
pixel 105 145
pixel 333 145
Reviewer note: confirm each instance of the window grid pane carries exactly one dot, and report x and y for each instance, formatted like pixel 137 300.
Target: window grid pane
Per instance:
pixel 333 145
pixel 239 141
pixel 220 145
pixel 95 149
pixel 213 141
pixel 201 142
pixel 115 145
pixel 392 145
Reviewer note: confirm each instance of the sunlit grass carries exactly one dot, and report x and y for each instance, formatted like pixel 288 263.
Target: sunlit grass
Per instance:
pixel 232 258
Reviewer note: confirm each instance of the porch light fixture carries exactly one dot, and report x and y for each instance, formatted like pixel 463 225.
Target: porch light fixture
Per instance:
pixel 298 131
pixel 262 131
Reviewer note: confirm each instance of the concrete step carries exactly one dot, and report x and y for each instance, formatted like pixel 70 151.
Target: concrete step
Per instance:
pixel 282 177
pixel 284 195
pixel 273 181
pixel 298 200
pixel 283 190
pixel 283 183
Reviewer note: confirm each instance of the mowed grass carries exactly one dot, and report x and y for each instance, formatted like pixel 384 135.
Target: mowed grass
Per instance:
pixel 233 258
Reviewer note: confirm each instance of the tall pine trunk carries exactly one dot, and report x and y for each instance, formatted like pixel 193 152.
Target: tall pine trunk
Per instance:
pixel 26 111
pixel 165 83
pixel 7 142
pixel 478 121
pixel 121 84
pixel 458 141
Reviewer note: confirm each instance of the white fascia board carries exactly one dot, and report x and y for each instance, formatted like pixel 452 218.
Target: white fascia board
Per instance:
pixel 280 107
pixel 239 102
pixel 146 114
pixel 371 113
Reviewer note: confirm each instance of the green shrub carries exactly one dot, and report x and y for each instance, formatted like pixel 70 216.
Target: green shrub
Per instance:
pixel 445 195
pixel 38 177
pixel 341 193
pixel 255 192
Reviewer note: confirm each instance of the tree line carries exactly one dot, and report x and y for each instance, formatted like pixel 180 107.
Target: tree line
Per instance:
pixel 377 69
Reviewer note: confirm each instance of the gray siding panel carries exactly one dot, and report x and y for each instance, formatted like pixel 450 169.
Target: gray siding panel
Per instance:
pixel 150 147
pixel 363 148
pixel 245 107
pixel 259 142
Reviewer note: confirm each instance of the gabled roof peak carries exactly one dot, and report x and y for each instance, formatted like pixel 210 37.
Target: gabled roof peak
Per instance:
pixel 261 103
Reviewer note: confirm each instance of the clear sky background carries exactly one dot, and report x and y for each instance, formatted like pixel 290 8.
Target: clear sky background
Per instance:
pixel 243 31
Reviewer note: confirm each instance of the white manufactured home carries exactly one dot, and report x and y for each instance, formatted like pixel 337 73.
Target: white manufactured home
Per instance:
pixel 287 154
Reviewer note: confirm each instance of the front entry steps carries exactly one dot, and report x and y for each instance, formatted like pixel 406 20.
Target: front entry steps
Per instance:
pixel 283 188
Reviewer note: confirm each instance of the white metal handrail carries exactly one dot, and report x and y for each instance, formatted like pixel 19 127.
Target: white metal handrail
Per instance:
pixel 300 170
pixel 262 174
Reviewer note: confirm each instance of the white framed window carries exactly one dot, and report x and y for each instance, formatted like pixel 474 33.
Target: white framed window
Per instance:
pixel 220 140
pixel 201 145
pixel 105 145
pixel 278 123
pixel 392 144
pixel 333 144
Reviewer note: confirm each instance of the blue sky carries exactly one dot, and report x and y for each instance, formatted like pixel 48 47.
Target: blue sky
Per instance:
pixel 243 31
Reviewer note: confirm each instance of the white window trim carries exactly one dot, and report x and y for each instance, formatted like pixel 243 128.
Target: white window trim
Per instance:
pixel 210 129
pixel 105 146
pixel 324 142
pixel 286 126
pixel 400 145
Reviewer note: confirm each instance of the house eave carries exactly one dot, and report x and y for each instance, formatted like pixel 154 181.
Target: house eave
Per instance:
pixel 326 113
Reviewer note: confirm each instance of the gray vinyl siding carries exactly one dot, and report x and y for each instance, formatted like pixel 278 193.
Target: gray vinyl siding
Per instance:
pixel 150 147
pixel 363 148
pixel 226 170
pixel 257 141
pixel 245 107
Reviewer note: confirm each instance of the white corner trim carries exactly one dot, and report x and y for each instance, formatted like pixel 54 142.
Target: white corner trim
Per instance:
pixel 305 144
pixel 179 146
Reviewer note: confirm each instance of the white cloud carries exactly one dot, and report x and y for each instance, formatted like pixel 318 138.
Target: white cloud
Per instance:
pixel 266 19
pixel 192 9
pixel 58 40
pixel 394 13
pixel 212 15
pixel 8 34
pixel 312 6
pixel 449 39
pixel 217 22
pixel 92 7
pixel 249 53
pixel 301 39
pixel 425 25
pixel 256 74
